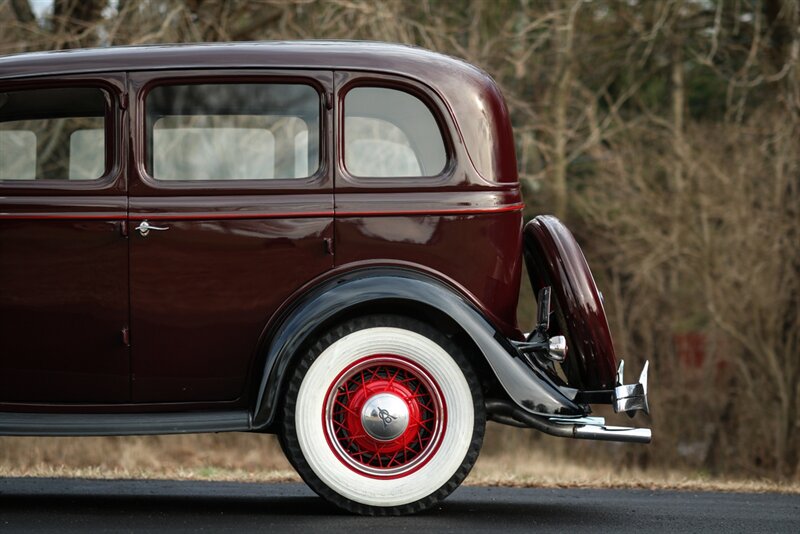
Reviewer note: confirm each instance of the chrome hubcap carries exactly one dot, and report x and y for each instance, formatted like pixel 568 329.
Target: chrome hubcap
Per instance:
pixel 384 416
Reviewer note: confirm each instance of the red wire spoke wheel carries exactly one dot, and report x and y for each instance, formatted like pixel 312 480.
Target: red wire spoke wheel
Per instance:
pixel 383 416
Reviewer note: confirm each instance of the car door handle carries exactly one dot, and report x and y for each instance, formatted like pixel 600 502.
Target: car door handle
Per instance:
pixel 145 227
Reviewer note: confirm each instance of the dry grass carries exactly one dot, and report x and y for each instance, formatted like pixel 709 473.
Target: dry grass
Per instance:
pixel 258 458
pixel 541 472
pixel 201 456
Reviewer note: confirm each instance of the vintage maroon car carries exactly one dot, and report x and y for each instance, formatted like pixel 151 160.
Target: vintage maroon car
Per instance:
pixel 322 240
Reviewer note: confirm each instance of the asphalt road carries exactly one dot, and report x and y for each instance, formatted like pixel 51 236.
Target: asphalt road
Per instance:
pixel 79 505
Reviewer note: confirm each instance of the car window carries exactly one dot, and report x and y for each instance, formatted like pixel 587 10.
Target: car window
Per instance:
pixel 232 132
pixel 390 133
pixel 53 134
pixel 85 161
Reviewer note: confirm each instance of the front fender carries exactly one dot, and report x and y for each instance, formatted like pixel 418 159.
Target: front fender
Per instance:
pixel 320 307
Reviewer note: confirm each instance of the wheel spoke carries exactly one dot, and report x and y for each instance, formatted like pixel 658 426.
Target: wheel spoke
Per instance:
pixel 391 380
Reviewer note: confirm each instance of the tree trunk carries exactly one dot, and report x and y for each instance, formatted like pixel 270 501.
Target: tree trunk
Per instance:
pixel 564 68
pixel 678 106
pixel 474 37
pixel 22 10
pixel 75 21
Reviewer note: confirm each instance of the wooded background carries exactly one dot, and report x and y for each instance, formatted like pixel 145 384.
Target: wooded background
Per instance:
pixel 665 133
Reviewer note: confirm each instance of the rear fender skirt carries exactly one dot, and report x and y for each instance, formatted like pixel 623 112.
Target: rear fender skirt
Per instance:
pixel 320 308
pixel 555 259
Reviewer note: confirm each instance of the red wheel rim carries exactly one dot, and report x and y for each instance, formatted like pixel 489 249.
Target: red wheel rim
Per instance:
pixel 411 389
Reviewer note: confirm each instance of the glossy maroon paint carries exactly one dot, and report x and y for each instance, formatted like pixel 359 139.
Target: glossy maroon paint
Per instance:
pixel 555 259
pixel 202 292
pixel 480 252
pixel 60 343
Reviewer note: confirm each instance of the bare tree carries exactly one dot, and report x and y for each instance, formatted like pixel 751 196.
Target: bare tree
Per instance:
pixel 665 132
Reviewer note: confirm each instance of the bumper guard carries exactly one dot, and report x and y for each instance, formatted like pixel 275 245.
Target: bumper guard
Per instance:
pixel 630 398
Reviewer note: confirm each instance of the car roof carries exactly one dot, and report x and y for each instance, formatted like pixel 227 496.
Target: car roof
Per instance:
pixel 358 55
pixel 470 94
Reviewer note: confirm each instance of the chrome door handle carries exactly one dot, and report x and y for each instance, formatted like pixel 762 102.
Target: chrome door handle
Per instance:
pixel 145 227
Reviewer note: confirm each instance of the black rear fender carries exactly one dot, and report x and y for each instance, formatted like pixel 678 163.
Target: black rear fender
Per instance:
pixel 386 290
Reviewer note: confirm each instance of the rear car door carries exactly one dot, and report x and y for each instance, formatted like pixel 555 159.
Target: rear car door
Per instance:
pixel 231 209
pixel 63 253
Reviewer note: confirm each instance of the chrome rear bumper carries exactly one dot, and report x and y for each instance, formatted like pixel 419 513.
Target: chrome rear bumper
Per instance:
pixel 596 428
pixel 577 428
pixel 627 398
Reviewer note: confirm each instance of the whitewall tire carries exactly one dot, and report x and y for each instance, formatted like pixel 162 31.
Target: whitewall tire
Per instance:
pixel 384 415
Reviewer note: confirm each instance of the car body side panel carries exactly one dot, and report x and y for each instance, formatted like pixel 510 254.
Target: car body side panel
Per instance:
pixel 64 274
pixel 63 306
pixel 234 251
pixel 457 224
pixel 203 291
pixel 200 293
pixel 480 252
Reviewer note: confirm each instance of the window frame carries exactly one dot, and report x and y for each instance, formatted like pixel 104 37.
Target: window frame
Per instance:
pixel 430 99
pixel 113 86
pixel 143 82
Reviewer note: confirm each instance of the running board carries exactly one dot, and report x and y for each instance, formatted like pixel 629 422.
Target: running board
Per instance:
pixel 565 427
pixel 101 424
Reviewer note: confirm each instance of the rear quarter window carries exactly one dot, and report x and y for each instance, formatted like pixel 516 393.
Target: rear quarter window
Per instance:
pixel 390 133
